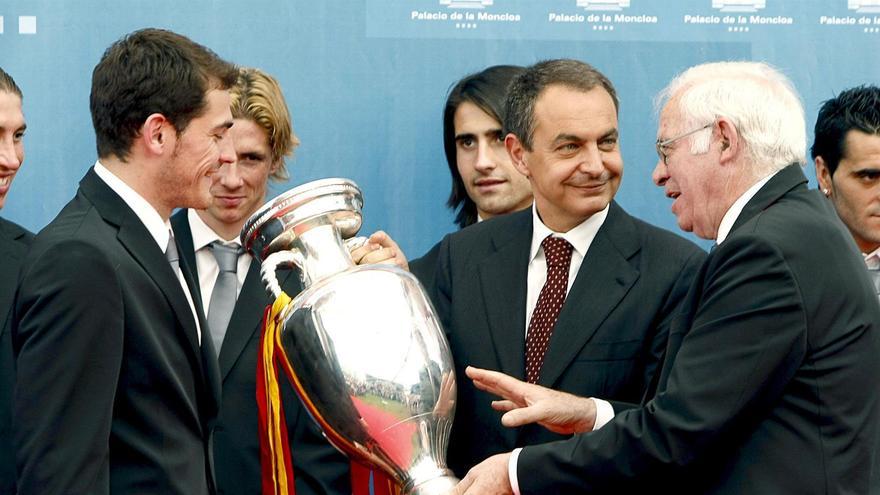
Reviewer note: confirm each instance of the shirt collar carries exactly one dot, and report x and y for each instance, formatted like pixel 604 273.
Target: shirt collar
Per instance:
pixel 202 234
pixel 580 237
pixel 736 208
pixel 158 227
pixel 872 259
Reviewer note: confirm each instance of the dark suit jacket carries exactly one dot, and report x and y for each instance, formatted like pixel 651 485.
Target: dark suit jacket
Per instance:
pixel 318 467
pixel 608 339
pixel 770 381
pixel 14 242
pixel 114 394
pixel 425 267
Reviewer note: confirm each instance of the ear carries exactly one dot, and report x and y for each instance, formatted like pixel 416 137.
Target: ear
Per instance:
pixel 157 134
pixel 730 145
pixel 274 166
pixel 517 154
pixel 823 175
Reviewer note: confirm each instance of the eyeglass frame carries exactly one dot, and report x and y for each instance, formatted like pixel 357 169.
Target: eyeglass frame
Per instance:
pixel 662 145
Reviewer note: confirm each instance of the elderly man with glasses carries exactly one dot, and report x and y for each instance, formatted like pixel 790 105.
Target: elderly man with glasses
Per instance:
pixel 769 381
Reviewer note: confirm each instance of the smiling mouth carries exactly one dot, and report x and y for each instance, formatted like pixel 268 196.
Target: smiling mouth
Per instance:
pixel 488 182
pixel 590 186
pixel 672 195
pixel 4 181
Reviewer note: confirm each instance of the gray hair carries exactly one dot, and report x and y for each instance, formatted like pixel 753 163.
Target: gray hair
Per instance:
pixel 760 101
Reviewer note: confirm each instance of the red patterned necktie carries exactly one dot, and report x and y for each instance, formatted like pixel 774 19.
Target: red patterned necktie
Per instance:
pixel 557 252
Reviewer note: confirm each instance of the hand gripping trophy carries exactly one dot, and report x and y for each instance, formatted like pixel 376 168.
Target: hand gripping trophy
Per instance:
pixel 361 344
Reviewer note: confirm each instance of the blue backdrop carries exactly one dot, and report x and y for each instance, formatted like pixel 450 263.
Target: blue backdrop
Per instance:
pixel 366 79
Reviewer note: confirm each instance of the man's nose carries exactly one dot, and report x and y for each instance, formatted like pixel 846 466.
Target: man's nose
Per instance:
pixel 660 173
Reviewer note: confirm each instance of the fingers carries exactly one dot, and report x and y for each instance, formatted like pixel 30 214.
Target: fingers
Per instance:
pixel 504 405
pixel 357 255
pixel 525 415
pixel 380 248
pixel 499 384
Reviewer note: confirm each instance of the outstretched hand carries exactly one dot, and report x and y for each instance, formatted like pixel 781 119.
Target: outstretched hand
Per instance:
pixel 525 403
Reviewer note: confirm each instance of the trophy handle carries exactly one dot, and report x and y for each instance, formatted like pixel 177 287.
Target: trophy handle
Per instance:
pixel 270 265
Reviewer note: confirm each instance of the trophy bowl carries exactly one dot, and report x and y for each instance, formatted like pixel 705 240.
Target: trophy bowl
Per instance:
pixel 369 359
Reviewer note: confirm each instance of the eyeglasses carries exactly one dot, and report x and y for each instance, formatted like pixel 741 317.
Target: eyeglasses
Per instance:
pixel 663 145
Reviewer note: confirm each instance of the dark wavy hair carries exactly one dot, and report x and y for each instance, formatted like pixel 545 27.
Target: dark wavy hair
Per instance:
pixel 487 90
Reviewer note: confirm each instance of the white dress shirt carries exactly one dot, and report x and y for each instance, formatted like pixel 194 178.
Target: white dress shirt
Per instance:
pixel 872 262
pixel 158 228
pixel 872 259
pixel 580 238
pixel 206 263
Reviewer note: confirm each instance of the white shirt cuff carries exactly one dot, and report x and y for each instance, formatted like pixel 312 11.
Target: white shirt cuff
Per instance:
pixel 511 471
pixel 604 413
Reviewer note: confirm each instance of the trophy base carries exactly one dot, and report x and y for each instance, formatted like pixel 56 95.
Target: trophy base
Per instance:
pixel 440 485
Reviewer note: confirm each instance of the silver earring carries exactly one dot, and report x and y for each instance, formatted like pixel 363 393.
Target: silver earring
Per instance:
pixel 826 192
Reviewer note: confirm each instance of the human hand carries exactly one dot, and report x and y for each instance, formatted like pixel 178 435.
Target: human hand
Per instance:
pixel 524 403
pixel 489 477
pixel 379 248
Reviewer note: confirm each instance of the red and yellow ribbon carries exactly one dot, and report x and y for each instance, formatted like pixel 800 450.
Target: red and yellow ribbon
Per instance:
pixel 275 460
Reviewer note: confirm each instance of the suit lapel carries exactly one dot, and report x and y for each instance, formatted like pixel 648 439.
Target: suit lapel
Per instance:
pixel 12 249
pixel 503 276
pixel 246 318
pixel 133 235
pixel 183 234
pixel 604 278
pixel 787 179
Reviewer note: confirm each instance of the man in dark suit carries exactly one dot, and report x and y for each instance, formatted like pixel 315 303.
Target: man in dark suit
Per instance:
pixel 624 281
pixel 263 136
pixel 769 384
pixel 484 182
pixel 846 151
pixel 14 242
pixel 117 381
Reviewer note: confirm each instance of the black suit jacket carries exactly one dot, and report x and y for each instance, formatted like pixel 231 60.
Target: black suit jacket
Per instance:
pixel 318 467
pixel 14 242
pixel 424 268
pixel 114 394
pixel 608 339
pixel 770 379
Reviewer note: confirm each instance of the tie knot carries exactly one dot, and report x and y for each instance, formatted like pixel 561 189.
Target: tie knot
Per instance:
pixel 557 250
pixel 226 256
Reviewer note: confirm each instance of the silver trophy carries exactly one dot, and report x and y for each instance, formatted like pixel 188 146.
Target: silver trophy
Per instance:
pixel 370 360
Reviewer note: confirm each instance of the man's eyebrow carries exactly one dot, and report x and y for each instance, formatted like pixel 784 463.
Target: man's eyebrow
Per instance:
pixel 567 137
